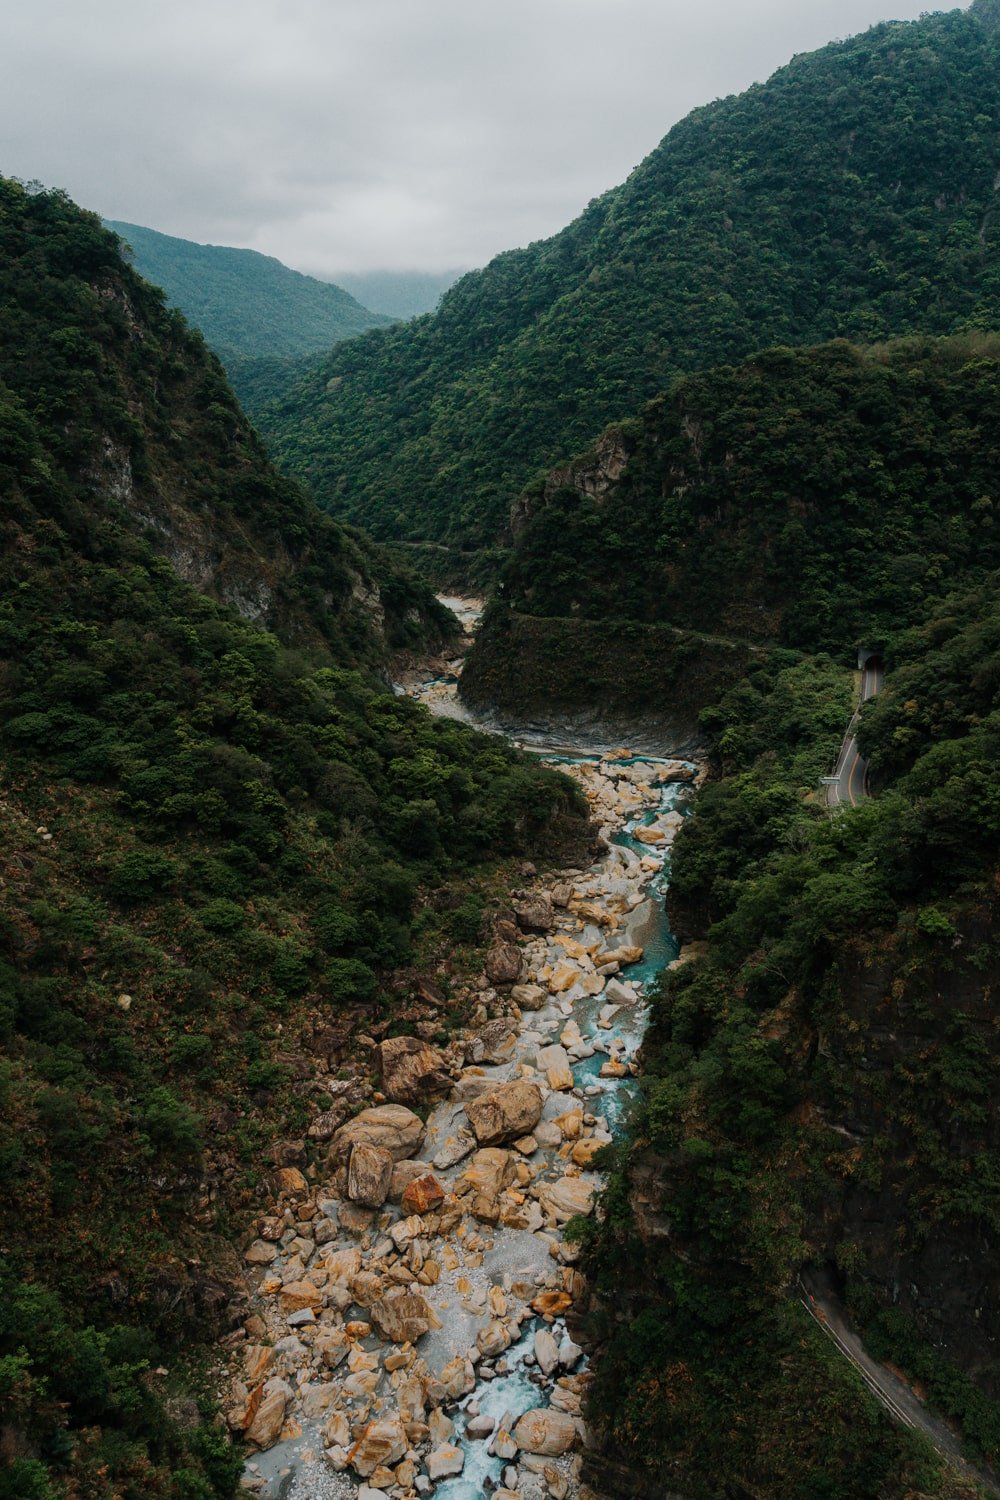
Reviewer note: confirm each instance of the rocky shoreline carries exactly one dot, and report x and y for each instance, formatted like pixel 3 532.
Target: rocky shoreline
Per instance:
pixel 413 1300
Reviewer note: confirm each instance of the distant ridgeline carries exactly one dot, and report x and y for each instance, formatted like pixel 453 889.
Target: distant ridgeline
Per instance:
pixel 248 306
pixel 215 818
pixel 853 195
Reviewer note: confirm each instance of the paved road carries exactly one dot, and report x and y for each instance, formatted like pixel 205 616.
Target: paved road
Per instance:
pixel 902 1404
pixel 851 771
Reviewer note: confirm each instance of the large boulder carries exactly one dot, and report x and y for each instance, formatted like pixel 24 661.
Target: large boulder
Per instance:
pixel 508 1111
pixel 553 1061
pixel 392 1126
pixel 528 996
pixel 546 1431
pixel 534 914
pixel 411 1069
pixel 485 1178
pixel 495 1043
pixel 403 1317
pixel 566 1197
pixel 422 1195
pixel 382 1443
pixel 268 1415
pixel 504 964
pixel 368 1173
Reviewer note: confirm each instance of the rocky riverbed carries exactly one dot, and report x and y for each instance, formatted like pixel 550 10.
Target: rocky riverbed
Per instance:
pixel 415 1294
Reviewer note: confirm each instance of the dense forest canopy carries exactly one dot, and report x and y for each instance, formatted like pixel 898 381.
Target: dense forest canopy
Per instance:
pixel 248 306
pixel 852 196
pixel 816 497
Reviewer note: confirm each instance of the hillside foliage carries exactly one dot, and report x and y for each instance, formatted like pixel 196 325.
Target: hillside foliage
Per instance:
pixel 248 305
pixel 213 843
pixel 851 196
pixel 815 1087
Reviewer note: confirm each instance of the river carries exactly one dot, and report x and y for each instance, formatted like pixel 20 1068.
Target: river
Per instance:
pixel 488 1393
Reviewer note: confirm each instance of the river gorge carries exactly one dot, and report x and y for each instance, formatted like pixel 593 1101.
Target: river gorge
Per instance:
pixel 415 1305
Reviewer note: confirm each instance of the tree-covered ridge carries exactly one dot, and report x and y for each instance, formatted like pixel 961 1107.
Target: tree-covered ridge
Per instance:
pixel 815 497
pixel 816 1090
pixel 214 841
pixel 853 195
pixel 112 392
pixel 248 305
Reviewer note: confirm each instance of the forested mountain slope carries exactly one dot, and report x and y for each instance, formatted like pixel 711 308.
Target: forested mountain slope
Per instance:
pixel 853 195
pixel 215 820
pixel 816 498
pixel 247 305
pixel 816 1091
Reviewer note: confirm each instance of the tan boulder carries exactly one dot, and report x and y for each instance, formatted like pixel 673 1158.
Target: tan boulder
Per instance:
pixel 528 996
pixel 402 1173
pixel 260 1253
pixel 411 1069
pixel 485 1177
pixel 422 1195
pixel 534 914
pixel 403 1317
pixel 445 1462
pixel 393 1127
pixel 340 1265
pixel 368 1172
pixel 290 1183
pixel 550 1305
pixel 566 1197
pixel 545 1431
pixel 298 1295
pixel 493 1339
pixel 553 1061
pixel 510 1110
pixel 583 1152
pixel 382 1442
pixel 504 964
pixel 265 1426
pixel 458 1377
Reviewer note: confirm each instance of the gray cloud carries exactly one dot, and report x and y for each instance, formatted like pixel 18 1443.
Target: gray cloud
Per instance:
pixel 351 134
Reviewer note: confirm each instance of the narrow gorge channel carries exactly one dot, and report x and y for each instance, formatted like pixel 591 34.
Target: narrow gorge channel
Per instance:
pixel 414 1308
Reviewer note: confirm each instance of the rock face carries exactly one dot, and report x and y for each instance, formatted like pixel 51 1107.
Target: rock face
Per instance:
pixel 510 1110
pixel 546 1431
pixel 411 1069
pixel 392 1126
pixel 368 1174
pixel 504 964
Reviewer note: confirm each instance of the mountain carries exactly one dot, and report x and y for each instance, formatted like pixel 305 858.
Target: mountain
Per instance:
pixel 220 833
pixel 247 305
pixel 816 499
pixel 400 294
pixel 853 195
pixel 815 1096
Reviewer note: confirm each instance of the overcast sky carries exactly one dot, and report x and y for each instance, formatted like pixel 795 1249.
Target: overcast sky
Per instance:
pixel 361 134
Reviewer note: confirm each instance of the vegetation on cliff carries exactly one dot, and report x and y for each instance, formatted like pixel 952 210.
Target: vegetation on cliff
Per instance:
pixel 214 834
pixel 816 1089
pixel 853 195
